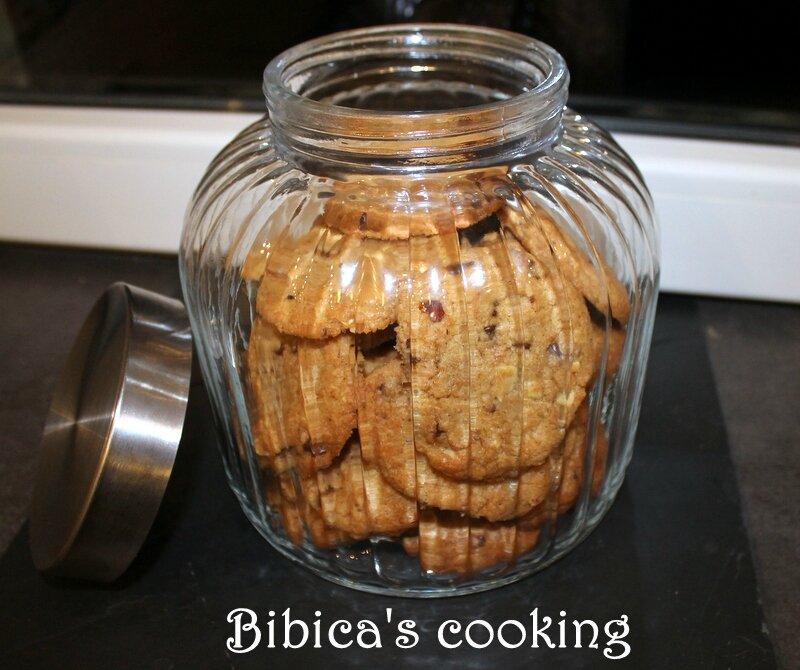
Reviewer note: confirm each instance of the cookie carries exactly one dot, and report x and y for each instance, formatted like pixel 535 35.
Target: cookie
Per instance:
pixel 449 542
pixel 386 403
pixel 499 353
pixel 327 282
pixel 382 426
pixel 613 344
pixel 263 371
pixel 347 498
pixel 573 453
pixel 302 393
pixel 396 208
pixel 542 237
pixel 574 456
pixel 297 210
pixel 298 517
pixel 344 273
pixel 555 381
pixel 327 386
pixel 385 417
pixel 362 503
pixel 496 500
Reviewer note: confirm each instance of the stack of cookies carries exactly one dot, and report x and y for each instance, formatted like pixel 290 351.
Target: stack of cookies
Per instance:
pixel 419 367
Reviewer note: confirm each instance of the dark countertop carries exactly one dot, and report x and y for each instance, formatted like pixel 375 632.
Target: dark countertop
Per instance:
pixel 754 349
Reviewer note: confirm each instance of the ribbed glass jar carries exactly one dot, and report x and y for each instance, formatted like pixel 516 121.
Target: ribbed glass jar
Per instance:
pixel 422 291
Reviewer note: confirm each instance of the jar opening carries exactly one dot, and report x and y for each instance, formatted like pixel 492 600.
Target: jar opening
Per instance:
pixel 402 98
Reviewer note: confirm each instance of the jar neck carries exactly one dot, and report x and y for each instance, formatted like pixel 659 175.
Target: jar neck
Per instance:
pixel 425 98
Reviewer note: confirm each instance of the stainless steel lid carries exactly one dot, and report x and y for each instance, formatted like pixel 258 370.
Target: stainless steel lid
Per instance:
pixel 111 436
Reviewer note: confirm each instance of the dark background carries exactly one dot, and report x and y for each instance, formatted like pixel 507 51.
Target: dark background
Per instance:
pixel 689 68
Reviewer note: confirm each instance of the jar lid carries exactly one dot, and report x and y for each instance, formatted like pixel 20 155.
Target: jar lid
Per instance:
pixel 111 436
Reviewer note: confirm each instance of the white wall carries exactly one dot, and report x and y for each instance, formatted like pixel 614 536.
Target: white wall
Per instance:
pixel 115 178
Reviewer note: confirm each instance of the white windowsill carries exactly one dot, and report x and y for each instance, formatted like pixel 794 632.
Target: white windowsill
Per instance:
pixel 121 179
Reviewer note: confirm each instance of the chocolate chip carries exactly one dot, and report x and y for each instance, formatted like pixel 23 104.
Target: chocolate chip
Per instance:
pixel 493 408
pixel 599 318
pixel 489 330
pixel 381 388
pixel 555 350
pixel 438 432
pixel 362 221
pixel 290 297
pixel 475 233
pixel 457 268
pixel 433 308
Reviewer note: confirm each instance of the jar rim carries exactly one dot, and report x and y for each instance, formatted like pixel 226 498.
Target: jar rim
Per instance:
pixel 274 84
pixel 528 116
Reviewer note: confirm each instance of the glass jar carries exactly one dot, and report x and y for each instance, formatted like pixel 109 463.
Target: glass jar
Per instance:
pixel 423 293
